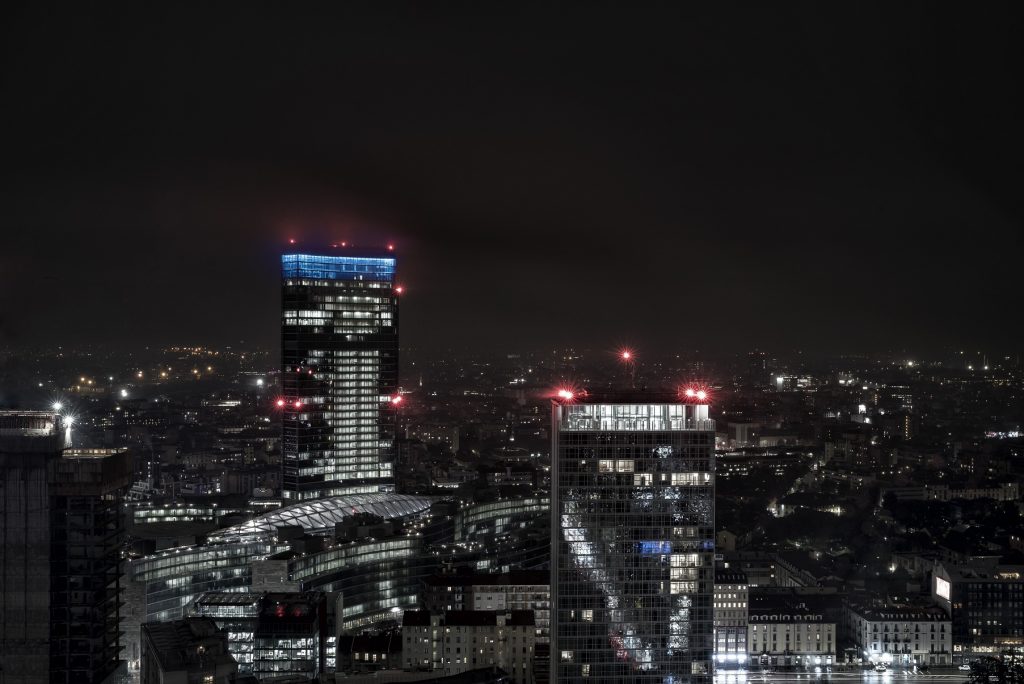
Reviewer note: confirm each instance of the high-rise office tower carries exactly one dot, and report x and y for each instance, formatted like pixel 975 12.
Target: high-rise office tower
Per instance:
pixel 339 348
pixel 60 561
pixel 633 508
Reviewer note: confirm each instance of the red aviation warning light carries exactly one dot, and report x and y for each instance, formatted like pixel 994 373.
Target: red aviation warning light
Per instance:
pixel 391 247
pixel 280 403
pixel 697 394
pixel 298 404
pixel 626 355
pixel 566 395
pixel 291 241
pixel 397 399
pixel 399 290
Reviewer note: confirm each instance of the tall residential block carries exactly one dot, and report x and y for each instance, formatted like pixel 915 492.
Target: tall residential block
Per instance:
pixel 633 540
pixel 339 349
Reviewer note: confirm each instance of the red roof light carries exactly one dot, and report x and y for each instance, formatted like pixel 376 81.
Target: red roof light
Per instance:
pixel 697 394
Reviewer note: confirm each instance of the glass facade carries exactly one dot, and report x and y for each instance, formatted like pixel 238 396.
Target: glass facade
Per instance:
pixel 339 346
pixel 321 516
pixel 632 540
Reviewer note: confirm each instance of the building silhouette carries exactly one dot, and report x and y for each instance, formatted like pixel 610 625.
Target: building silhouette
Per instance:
pixel 60 561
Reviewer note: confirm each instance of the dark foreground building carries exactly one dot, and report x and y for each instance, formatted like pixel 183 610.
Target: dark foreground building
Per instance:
pixel 189 651
pixel 339 349
pixel 60 561
pixel 632 538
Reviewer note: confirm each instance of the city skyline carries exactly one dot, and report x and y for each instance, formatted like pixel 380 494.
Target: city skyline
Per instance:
pixel 709 367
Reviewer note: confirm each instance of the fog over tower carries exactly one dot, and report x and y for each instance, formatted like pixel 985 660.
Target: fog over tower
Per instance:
pixel 632 537
pixel 339 366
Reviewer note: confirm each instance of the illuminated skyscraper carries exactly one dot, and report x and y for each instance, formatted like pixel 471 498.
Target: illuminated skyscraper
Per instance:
pixel 339 349
pixel 633 509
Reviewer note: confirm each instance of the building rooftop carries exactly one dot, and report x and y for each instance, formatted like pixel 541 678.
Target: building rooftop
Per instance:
pixel 489 579
pixel 901 613
pixel 992 572
pixel 321 515
pixel 730 576
pixel 31 432
pixel 469 618
pixel 641 396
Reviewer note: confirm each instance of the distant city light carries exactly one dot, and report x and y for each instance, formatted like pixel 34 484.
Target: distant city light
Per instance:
pixel 124 393
pixel 57 406
pixel 259 382
pixel 69 421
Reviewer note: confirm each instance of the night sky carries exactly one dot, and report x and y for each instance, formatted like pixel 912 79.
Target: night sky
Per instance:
pixel 781 175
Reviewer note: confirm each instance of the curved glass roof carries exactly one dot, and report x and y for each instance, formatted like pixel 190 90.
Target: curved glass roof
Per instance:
pixel 320 515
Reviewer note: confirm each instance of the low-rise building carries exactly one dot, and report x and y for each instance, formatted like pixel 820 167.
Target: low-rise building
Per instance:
pixel 272 634
pixel 457 641
pixel 900 635
pixel 730 611
pixel 363 653
pixel 789 632
pixel 522 590
pixel 984 601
